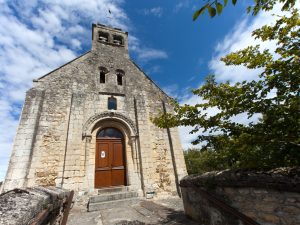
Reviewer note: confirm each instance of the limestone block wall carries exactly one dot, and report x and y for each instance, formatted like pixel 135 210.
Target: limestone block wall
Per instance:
pixel 160 176
pixel 266 198
pixel 48 151
pixel 24 141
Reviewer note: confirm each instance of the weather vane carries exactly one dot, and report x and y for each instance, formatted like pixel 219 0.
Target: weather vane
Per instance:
pixel 109 13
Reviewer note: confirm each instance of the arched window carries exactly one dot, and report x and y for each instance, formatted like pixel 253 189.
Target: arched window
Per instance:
pixel 119 79
pixel 118 40
pixel 110 133
pixel 103 36
pixel 120 74
pixel 103 71
pixel 112 103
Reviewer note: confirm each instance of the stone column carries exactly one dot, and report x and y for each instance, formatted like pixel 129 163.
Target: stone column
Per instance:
pixel 84 169
pixel 136 175
pixel 132 142
pixel 88 139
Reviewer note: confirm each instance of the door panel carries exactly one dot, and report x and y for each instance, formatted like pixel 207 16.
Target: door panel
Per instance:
pixel 109 163
pixel 103 155
pixel 117 154
pixel 118 177
pixel 102 178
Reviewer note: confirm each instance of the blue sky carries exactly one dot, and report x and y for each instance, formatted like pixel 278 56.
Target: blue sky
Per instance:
pixel 39 36
pixel 168 26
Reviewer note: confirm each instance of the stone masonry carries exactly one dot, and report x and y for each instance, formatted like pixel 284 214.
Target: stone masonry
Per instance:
pixel 38 205
pixel 267 197
pixel 66 108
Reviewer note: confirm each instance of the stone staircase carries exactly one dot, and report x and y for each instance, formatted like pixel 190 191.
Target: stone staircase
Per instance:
pixel 112 197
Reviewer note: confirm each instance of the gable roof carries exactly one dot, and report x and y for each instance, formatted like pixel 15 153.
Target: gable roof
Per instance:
pixel 89 52
pixel 62 66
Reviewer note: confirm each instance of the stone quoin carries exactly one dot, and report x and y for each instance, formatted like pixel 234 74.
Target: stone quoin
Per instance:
pixel 87 125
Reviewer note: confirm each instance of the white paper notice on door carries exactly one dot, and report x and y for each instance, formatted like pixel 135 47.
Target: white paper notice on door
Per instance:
pixel 102 154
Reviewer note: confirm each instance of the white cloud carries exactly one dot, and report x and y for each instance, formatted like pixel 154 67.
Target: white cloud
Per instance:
pixel 149 54
pixel 76 43
pixel 153 69
pixel 156 11
pixel 239 38
pixel 192 78
pixel 185 136
pixel 242 118
pixel 7 128
pixel 171 90
pixel 145 54
pixel 181 5
pixel 29 49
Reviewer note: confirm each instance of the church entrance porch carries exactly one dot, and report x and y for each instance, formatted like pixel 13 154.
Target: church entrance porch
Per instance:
pixel 113 136
pixel 110 163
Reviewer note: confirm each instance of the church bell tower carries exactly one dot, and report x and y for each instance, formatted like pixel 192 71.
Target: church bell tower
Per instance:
pixel 104 37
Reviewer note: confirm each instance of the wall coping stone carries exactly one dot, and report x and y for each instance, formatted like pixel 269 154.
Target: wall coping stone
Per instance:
pixel 21 206
pixel 280 179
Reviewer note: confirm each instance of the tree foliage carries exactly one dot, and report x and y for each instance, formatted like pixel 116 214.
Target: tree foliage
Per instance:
pixel 202 161
pixel 273 140
pixel 216 6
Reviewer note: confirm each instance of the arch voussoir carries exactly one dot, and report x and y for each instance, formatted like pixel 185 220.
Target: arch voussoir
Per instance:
pixel 92 121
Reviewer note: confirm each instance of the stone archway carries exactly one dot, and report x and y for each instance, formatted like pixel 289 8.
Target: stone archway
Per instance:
pixel 118 121
pixel 92 121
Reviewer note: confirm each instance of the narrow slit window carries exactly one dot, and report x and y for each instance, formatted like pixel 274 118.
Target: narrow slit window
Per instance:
pixel 103 72
pixel 120 79
pixel 102 77
pixel 120 74
pixel 112 103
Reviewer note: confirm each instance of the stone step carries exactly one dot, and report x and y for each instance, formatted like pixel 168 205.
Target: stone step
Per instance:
pixel 112 204
pixel 113 196
pixel 113 189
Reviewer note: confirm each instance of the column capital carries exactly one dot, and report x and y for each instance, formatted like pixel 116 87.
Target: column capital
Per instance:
pixel 87 137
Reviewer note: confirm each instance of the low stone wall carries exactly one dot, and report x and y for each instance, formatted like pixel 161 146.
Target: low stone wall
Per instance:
pixel 40 205
pixel 243 197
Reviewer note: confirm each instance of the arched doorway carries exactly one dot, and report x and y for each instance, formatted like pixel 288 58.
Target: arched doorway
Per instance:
pixel 110 164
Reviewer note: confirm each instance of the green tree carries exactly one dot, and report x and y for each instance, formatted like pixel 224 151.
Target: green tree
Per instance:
pixel 216 6
pixel 203 161
pixel 274 140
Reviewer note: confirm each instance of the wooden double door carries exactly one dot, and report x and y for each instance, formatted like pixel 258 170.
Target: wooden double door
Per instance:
pixel 110 163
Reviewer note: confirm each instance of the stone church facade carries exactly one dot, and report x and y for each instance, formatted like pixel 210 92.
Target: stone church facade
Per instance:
pixel 87 125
